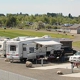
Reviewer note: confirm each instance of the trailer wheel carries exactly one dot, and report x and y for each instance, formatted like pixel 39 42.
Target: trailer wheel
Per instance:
pixel 21 60
pixel 11 61
pixel 4 55
pixel 24 60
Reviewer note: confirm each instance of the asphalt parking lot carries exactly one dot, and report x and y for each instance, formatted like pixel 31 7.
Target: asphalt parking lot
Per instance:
pixel 39 74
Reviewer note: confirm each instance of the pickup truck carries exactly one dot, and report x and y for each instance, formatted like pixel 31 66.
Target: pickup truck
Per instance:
pixel 75 58
pixel 68 50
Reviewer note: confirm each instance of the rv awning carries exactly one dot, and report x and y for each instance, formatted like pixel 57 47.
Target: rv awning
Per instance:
pixel 48 43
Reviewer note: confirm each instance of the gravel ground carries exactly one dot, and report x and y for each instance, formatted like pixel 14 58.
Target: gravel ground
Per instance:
pixel 20 68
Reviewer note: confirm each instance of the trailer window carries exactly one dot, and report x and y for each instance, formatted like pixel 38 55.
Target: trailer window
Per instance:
pixel 12 48
pixel 31 49
pixel 24 48
pixel 0 46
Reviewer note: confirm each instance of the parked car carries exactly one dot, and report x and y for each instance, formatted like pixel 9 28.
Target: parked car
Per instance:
pixel 75 57
pixel 68 50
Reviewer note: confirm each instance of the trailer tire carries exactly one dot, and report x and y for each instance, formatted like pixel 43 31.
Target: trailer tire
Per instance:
pixel 11 61
pixel 24 60
pixel 5 55
pixel 21 60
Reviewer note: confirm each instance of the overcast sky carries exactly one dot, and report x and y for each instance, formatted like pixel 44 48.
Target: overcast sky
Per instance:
pixel 40 6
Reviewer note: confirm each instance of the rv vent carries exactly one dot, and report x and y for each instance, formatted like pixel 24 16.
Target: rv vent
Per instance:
pixel 16 39
pixel 63 38
pixel 46 36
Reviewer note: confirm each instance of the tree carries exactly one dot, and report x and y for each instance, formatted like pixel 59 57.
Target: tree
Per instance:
pixel 48 26
pixel 40 25
pixel 11 22
pixel 52 21
pixel 69 15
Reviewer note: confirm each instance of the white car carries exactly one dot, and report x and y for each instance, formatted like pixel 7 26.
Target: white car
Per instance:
pixel 75 57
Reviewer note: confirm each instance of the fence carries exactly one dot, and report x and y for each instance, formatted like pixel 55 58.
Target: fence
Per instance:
pixel 5 75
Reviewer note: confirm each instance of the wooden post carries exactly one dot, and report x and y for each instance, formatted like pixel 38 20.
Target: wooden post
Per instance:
pixel 42 61
pixel 36 61
pixel 72 66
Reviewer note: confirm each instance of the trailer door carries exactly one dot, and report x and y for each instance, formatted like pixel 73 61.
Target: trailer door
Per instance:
pixel 24 51
pixel 31 47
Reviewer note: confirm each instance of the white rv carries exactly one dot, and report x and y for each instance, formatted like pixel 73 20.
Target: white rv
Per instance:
pixel 30 48
pixel 22 50
pixel 3 47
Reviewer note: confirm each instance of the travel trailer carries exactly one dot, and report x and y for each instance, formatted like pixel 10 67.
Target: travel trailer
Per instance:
pixel 30 48
pixel 19 50
pixel 3 47
pixel 22 50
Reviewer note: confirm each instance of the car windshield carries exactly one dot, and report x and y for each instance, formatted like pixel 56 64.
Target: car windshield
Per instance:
pixel 77 53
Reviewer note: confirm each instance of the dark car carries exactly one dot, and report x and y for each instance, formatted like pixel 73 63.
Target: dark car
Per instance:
pixel 68 49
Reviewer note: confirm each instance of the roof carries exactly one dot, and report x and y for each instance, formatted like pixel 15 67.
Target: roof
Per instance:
pixel 65 39
pixel 62 39
pixel 75 26
pixel 48 43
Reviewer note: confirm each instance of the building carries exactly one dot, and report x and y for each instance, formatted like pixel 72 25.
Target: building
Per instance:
pixel 75 28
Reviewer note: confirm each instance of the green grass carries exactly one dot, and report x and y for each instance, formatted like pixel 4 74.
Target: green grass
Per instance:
pixel 16 32
pixel 76 44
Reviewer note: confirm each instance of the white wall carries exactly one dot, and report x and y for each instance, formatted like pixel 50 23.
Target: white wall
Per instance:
pixel 73 31
pixel 78 31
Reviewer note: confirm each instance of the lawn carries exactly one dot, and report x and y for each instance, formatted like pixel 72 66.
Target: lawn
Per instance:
pixel 11 33
pixel 76 44
pixel 17 32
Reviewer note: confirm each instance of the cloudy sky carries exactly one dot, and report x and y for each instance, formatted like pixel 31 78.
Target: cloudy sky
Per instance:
pixel 40 6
